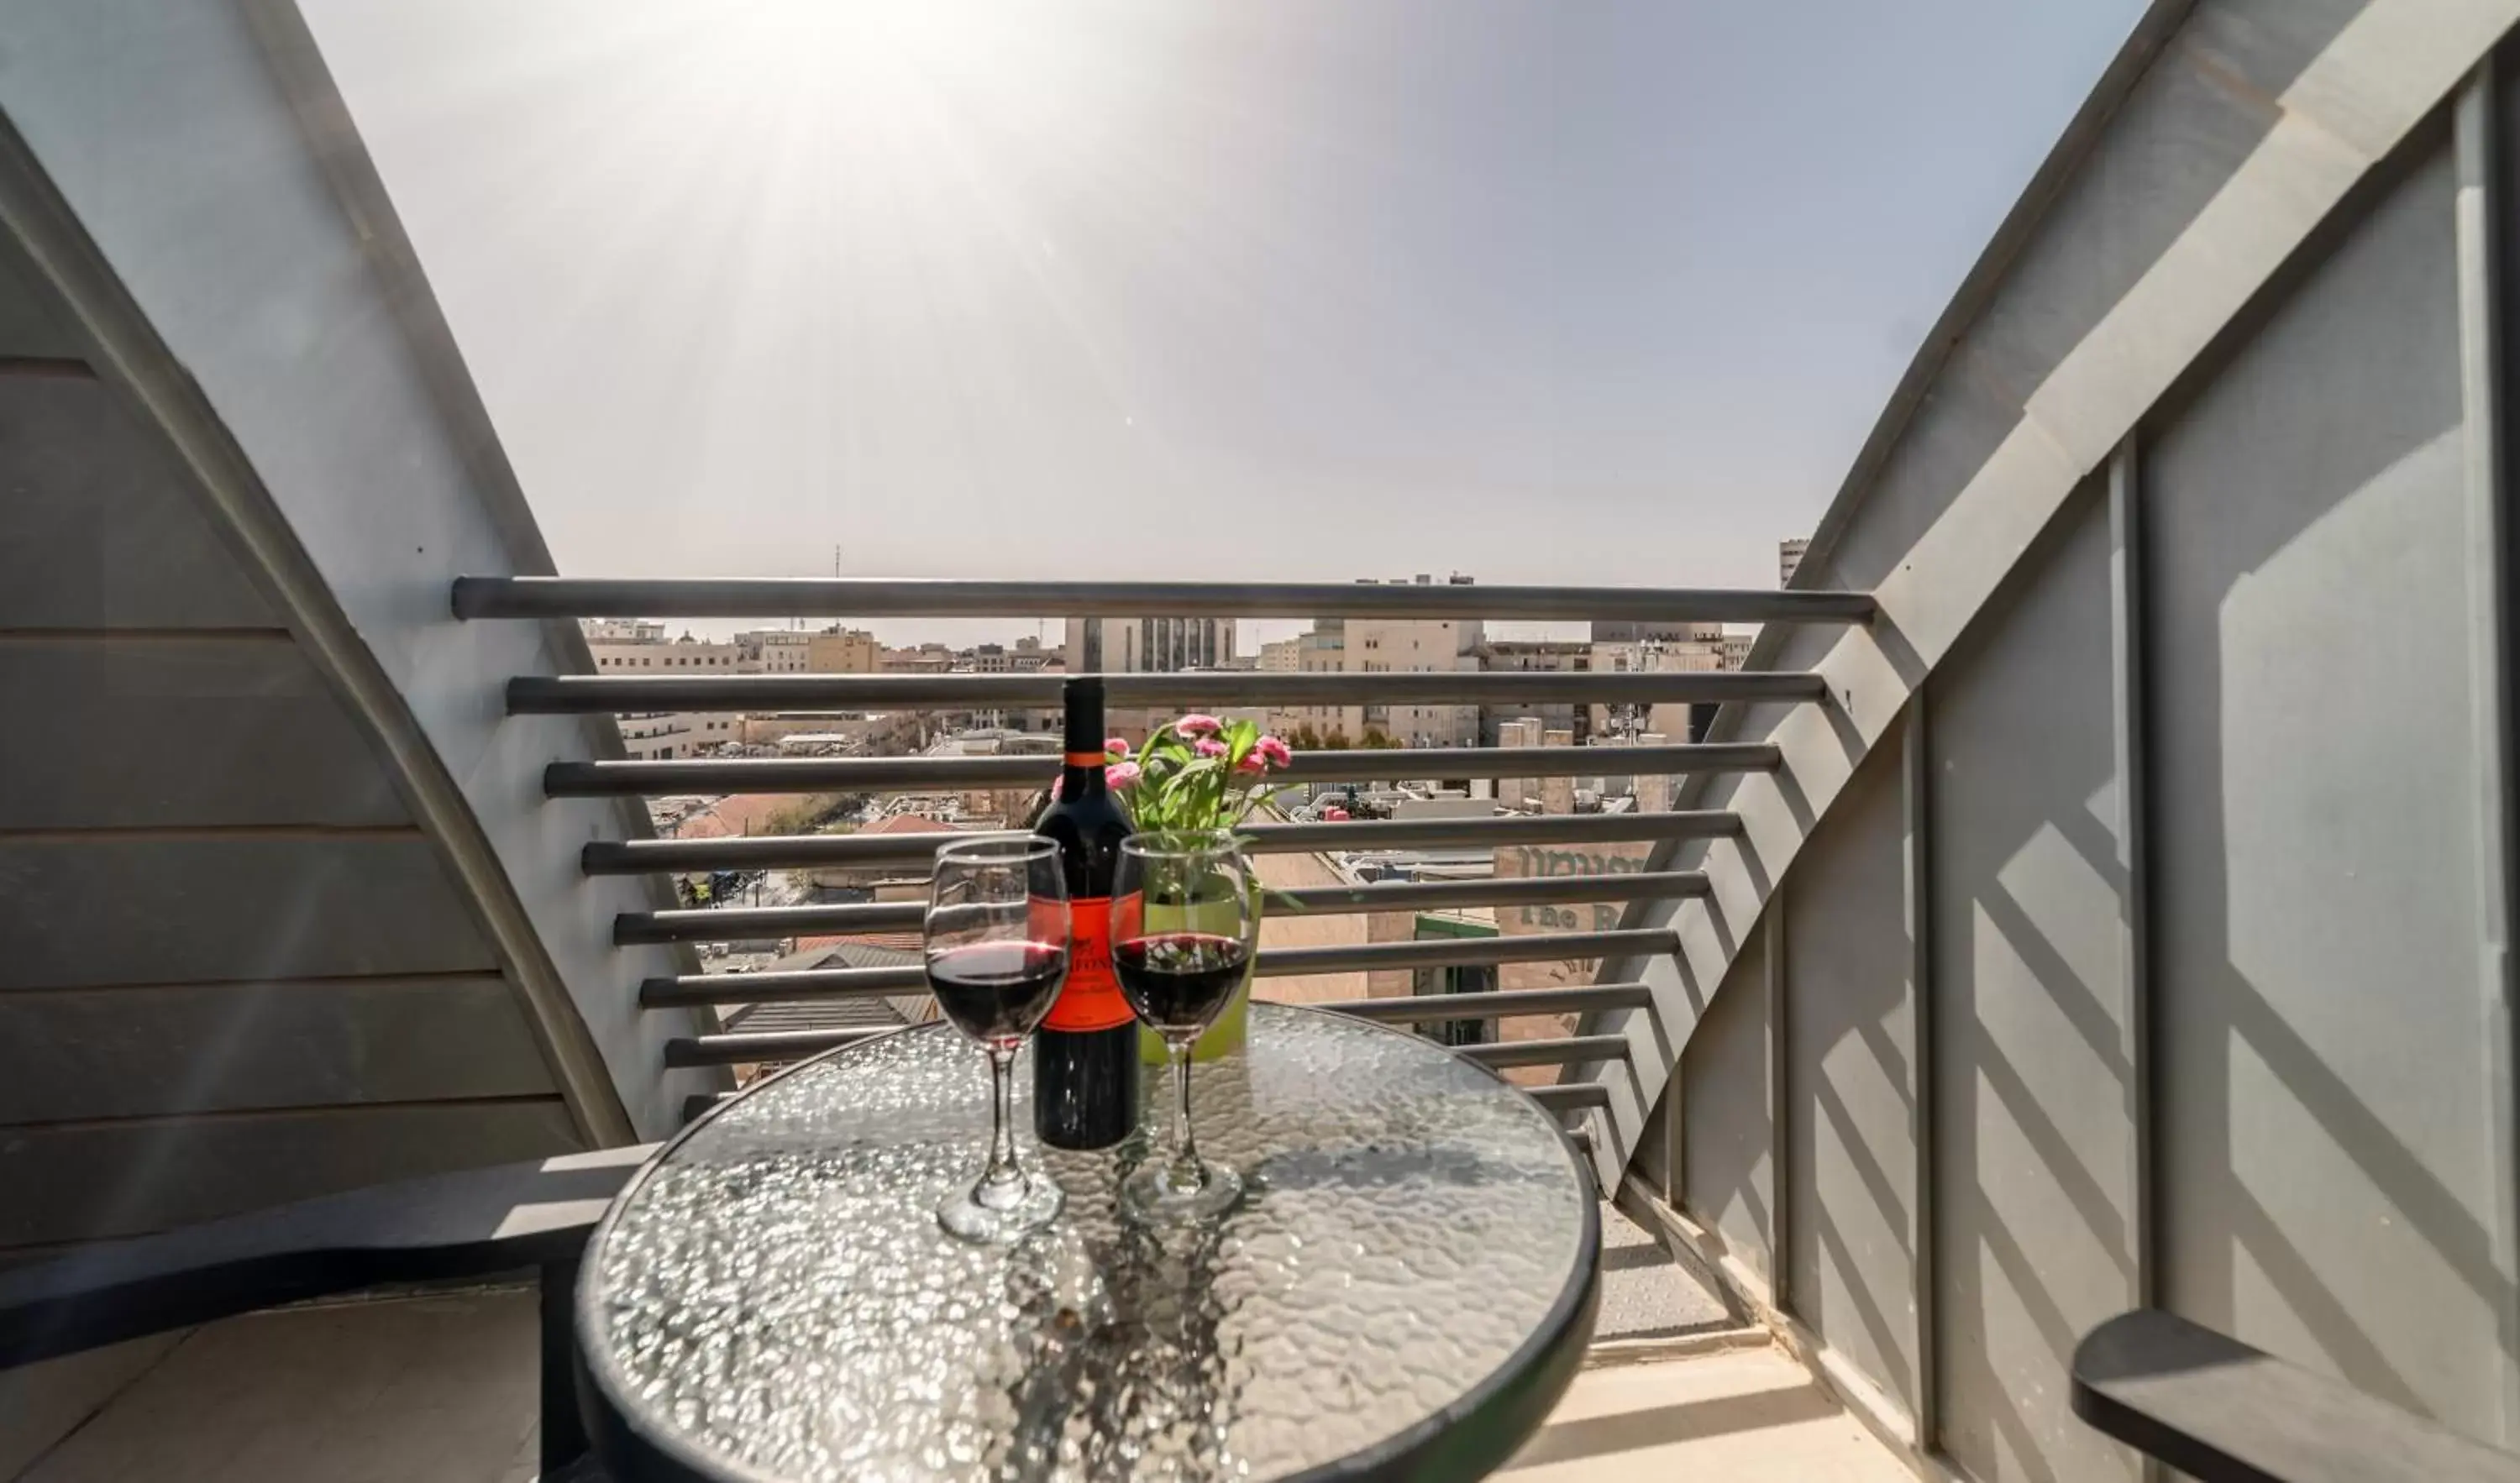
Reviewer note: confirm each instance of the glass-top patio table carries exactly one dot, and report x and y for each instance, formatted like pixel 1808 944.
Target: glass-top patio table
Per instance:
pixel 1405 1292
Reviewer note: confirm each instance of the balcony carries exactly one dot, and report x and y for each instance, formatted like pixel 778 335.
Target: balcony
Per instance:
pixel 2090 894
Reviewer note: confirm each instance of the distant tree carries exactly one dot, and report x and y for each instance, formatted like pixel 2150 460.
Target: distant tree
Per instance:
pixel 1376 740
pixel 1306 738
pixel 1336 740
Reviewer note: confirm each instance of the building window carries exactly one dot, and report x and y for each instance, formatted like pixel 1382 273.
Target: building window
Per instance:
pixel 1474 978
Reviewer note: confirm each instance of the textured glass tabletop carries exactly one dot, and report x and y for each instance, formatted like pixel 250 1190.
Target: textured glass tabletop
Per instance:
pixel 1404 1292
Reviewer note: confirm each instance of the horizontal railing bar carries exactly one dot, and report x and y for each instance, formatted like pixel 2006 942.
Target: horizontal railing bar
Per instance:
pixel 739 924
pixel 1460 952
pixel 1568 1096
pixel 911 979
pixel 615 694
pixel 630 857
pixel 938 775
pixel 1567 1052
pixel 1429 1009
pixel 1505 890
pixel 782 988
pixel 954 598
pixel 742 1049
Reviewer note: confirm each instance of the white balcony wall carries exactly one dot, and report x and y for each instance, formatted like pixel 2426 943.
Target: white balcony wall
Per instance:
pixel 2326 986
pixel 2159 956
pixel 2034 1225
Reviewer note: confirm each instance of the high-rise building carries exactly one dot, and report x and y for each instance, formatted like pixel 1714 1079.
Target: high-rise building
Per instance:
pixel 776 650
pixel 1323 650
pixel 1527 657
pixel 1151 645
pixel 1415 646
pixel 1789 557
pixel 843 652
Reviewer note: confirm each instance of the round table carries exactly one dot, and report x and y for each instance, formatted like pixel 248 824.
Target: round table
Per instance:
pixel 1405 1292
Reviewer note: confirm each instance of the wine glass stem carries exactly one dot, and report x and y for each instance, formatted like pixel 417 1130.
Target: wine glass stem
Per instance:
pixel 1002 1183
pixel 1187 1173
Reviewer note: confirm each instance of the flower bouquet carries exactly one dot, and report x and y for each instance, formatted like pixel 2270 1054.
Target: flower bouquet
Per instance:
pixel 1200 773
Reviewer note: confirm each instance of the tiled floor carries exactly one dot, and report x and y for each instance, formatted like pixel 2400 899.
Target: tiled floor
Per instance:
pixel 1644 1293
pixel 1749 1416
pixel 442 1390
pixel 429 1389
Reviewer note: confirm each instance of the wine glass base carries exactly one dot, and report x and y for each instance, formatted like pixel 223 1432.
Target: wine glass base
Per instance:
pixel 965 1218
pixel 1150 1192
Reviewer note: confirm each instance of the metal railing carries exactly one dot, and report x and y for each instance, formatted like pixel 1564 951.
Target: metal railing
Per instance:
pixel 735 1047
pixel 792 985
pixel 1432 1008
pixel 958 597
pixel 743 923
pixel 941 775
pixel 631 857
pixel 618 694
pixel 1462 951
pixel 543 597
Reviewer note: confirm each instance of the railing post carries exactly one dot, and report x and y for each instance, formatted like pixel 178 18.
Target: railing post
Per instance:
pixel 1916 862
pixel 1675 1145
pixel 2476 124
pixel 1780 1199
pixel 2128 685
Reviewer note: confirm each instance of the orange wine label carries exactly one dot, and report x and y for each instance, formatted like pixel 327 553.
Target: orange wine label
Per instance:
pixel 1085 760
pixel 1091 999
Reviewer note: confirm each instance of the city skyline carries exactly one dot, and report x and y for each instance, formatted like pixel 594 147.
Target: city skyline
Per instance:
pixel 962 634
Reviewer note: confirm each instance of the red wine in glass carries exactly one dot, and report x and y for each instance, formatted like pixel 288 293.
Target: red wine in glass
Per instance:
pixel 998 938
pixel 1179 980
pixel 997 992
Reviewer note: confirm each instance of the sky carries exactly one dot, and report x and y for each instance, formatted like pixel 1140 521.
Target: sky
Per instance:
pixel 1541 291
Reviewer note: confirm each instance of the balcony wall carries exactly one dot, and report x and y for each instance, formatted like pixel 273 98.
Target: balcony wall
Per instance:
pixel 2148 945
pixel 283 912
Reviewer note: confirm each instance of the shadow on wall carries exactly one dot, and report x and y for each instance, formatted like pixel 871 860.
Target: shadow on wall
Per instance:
pixel 2033 1092
pixel 2325 1086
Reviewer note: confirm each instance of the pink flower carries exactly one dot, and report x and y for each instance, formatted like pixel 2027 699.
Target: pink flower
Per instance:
pixel 1198 724
pixel 1115 747
pixel 1209 746
pixel 1122 776
pixel 1252 762
pixel 1273 751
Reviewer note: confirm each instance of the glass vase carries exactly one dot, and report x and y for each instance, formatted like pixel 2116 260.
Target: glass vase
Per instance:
pixel 1232 1023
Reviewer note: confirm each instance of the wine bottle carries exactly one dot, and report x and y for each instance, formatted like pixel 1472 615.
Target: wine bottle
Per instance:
pixel 1085 1056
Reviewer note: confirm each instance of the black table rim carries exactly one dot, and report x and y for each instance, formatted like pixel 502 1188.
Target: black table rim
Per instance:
pixel 1453 1441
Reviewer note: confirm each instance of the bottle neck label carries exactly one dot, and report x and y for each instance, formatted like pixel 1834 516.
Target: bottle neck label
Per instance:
pixel 1091 998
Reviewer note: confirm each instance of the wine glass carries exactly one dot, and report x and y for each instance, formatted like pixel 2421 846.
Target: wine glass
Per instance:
pixel 1182 930
pixel 997 940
